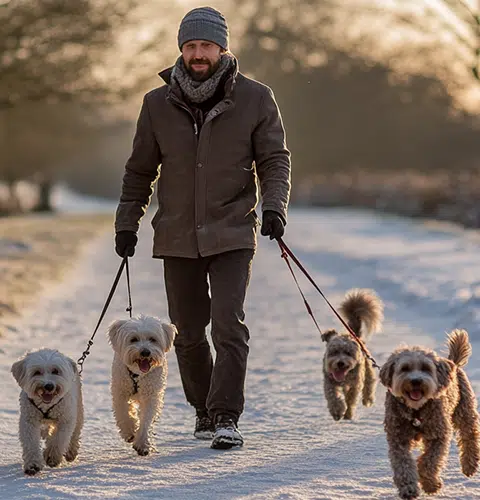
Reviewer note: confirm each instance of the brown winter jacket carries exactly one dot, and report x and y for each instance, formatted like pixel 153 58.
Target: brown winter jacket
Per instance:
pixel 207 190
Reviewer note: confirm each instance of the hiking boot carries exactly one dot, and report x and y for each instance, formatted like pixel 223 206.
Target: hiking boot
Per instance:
pixel 204 427
pixel 226 434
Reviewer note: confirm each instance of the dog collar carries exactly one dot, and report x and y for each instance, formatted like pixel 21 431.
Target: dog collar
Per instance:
pixel 415 418
pixel 414 415
pixel 134 377
pixel 46 414
pixel 416 422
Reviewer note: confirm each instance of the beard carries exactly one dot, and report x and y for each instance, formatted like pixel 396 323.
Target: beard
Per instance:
pixel 201 76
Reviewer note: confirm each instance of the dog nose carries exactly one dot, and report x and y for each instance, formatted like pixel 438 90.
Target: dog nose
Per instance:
pixel 341 364
pixel 145 353
pixel 49 387
pixel 416 381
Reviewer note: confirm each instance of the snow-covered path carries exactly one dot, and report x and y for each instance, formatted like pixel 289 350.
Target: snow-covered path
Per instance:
pixel 429 278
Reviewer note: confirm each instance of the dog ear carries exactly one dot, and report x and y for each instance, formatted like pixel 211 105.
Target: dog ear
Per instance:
pixel 386 372
pixel 113 331
pixel 170 331
pixel 326 336
pixel 73 365
pixel 18 371
pixel 445 369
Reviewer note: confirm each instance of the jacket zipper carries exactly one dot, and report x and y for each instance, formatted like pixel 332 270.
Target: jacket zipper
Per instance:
pixel 179 104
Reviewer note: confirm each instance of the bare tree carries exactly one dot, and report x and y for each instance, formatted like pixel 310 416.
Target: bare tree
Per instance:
pixel 57 51
pixel 345 106
pixel 49 48
pixel 469 18
pixel 447 33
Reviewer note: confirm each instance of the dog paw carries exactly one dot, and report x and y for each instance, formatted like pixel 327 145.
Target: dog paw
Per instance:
pixel 337 409
pixel 71 455
pixel 142 450
pixel 338 414
pixel 431 485
pixel 128 436
pixel 368 402
pixel 32 469
pixel 469 469
pixel 349 415
pixel 409 491
pixel 52 457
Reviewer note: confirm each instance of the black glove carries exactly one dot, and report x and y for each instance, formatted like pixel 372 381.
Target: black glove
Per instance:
pixel 125 242
pixel 272 225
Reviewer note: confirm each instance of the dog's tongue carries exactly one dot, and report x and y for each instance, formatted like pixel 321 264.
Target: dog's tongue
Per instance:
pixel 416 395
pixel 47 397
pixel 339 375
pixel 144 365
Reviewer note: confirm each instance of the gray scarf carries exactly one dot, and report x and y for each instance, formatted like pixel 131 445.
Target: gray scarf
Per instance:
pixel 197 92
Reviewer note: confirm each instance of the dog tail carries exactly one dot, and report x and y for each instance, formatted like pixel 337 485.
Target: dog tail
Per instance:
pixel 363 311
pixel 459 348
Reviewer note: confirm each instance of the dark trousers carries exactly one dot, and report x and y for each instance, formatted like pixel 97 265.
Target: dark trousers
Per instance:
pixel 219 386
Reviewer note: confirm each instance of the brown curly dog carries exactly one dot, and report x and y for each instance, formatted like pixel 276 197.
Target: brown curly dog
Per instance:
pixel 428 398
pixel 347 374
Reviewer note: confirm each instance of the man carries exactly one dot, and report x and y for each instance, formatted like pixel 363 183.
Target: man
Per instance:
pixel 213 131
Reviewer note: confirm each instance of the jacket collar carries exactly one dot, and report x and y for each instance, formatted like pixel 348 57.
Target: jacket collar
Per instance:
pixel 166 74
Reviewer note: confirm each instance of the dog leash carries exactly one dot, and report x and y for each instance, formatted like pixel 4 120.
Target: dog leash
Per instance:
pixel 305 301
pixel 124 264
pixel 285 254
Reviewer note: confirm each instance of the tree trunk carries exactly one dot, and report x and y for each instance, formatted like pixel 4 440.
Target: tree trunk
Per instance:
pixel 14 205
pixel 44 203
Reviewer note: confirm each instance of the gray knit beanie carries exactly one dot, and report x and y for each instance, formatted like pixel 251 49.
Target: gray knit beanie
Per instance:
pixel 204 23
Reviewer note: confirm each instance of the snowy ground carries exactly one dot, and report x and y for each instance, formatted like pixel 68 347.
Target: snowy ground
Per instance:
pixel 429 278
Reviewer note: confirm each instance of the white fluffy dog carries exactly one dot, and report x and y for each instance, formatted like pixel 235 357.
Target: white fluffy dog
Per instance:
pixel 139 373
pixel 51 408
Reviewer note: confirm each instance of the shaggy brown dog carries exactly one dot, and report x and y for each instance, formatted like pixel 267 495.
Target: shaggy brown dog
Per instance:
pixel 429 397
pixel 346 371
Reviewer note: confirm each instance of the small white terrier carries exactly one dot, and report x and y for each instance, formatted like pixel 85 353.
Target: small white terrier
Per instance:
pixel 139 375
pixel 51 408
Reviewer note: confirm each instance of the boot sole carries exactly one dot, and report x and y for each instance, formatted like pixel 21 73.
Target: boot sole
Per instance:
pixel 204 436
pixel 222 443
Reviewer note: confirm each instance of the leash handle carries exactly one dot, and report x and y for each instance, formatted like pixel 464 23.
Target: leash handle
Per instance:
pixel 86 352
pixel 285 250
